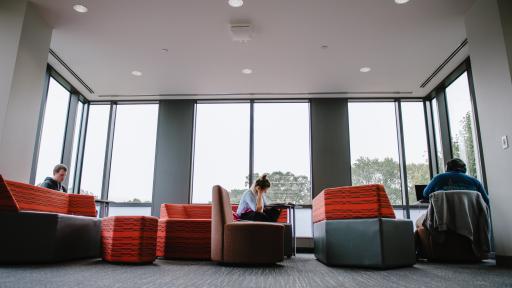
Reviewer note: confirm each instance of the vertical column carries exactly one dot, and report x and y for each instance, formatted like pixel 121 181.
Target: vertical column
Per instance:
pixel 27 42
pixel 489 32
pixel 330 144
pixel 173 159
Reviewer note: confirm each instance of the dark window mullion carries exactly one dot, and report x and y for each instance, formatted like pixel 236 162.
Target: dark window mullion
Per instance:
pixel 402 159
pixel 108 153
pixel 80 149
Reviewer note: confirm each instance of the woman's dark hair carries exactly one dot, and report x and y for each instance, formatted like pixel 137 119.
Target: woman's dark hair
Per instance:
pixel 262 182
pixel 456 164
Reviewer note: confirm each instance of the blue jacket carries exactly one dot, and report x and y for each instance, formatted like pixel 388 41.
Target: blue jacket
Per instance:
pixel 455 180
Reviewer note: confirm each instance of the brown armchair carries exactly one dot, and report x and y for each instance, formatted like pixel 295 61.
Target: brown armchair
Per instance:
pixel 242 242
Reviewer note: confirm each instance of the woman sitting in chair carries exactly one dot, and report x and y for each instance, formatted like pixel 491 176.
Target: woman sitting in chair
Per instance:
pixel 253 201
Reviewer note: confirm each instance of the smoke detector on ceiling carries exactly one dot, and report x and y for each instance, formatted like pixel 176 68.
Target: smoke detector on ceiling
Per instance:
pixel 241 32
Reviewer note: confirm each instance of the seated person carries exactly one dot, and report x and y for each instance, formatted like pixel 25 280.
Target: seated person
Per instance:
pixel 55 183
pixel 253 201
pixel 454 178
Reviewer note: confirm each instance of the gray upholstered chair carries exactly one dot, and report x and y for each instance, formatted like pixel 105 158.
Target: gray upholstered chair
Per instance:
pixel 242 242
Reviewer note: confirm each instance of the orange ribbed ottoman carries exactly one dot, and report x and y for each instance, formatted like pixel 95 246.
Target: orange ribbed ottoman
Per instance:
pixel 129 239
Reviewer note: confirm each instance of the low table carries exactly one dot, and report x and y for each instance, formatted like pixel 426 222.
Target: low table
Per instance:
pixel 290 208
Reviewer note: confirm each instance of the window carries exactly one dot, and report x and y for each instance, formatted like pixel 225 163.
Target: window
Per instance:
pixel 221 152
pixel 437 135
pixel 53 131
pixel 374 147
pixel 415 146
pixel 76 139
pixel 416 152
pixel 133 159
pixel 462 128
pixel 94 151
pixel 281 149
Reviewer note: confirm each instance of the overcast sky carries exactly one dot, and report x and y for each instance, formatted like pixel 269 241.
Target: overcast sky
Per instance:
pixel 281 140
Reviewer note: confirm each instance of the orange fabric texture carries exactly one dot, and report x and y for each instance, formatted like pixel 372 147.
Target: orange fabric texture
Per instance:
pixel 352 202
pixel 17 196
pixel 129 239
pixel 184 231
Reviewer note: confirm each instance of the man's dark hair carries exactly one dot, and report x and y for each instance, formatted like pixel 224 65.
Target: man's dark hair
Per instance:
pixel 456 164
pixel 59 167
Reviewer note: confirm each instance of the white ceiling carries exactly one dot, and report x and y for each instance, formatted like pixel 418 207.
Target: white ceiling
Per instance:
pixel 403 44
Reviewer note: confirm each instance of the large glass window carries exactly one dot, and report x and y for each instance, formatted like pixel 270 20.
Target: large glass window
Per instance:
pixel 53 130
pixel 462 129
pixel 133 157
pixel 221 153
pixel 281 150
pixel 76 138
pixel 94 151
pixel 416 147
pixel 374 147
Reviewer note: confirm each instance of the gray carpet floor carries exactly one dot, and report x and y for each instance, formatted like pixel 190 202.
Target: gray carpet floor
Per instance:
pixel 300 271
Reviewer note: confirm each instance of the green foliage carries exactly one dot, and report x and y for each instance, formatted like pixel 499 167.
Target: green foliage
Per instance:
pixel 463 144
pixel 387 172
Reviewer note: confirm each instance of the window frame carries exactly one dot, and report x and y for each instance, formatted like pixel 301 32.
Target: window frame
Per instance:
pixel 439 93
pixel 74 98
pixel 251 136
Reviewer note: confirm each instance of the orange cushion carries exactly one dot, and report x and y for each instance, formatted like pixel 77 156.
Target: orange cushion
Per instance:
pixel 352 202
pixel 34 198
pixel 17 196
pixel 185 211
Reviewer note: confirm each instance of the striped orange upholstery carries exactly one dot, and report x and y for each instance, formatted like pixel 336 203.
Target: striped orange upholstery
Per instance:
pixel 33 198
pixel 184 231
pixel 83 205
pixel 185 211
pixel 129 239
pixel 352 202
pixel 17 196
pixel 7 202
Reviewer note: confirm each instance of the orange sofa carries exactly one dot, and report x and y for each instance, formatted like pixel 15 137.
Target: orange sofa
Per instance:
pixel 184 231
pixel 43 225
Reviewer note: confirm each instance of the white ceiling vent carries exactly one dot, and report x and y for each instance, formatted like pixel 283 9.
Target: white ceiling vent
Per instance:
pixel 241 32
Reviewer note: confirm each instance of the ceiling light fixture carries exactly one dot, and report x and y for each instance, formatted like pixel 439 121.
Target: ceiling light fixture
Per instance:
pixel 401 1
pixel 136 73
pixel 247 71
pixel 236 3
pixel 365 69
pixel 80 8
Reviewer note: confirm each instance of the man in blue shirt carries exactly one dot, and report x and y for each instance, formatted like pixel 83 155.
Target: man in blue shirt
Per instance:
pixel 455 178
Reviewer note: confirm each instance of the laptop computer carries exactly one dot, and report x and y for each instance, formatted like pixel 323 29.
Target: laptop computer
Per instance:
pixel 419 192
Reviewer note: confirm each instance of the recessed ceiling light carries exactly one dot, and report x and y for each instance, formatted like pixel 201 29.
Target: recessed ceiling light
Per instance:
pixel 136 73
pixel 236 3
pixel 80 8
pixel 365 69
pixel 401 1
pixel 247 71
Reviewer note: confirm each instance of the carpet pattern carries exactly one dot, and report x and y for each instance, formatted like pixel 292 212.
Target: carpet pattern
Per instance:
pixel 301 271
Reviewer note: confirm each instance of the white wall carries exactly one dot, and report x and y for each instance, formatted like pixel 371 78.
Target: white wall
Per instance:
pixel 493 88
pixel 11 20
pixel 23 106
